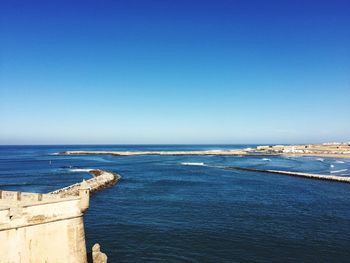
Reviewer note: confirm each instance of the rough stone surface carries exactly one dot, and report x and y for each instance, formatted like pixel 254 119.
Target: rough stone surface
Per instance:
pixel 42 231
pixel 97 255
pixel 49 228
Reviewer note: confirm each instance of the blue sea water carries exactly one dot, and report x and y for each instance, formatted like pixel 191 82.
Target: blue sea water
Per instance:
pixel 166 210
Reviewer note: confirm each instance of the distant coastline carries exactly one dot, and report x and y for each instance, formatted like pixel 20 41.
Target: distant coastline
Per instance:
pixel 331 150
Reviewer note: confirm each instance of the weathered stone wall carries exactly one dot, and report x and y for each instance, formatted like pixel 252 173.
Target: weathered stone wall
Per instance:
pixel 49 228
pixel 36 228
pixel 58 241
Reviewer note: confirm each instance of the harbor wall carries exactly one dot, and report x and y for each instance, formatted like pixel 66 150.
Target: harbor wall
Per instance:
pixel 36 229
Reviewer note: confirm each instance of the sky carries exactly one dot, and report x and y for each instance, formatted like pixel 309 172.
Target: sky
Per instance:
pixel 174 72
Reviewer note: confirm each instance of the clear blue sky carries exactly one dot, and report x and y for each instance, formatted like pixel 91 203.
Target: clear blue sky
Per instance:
pixel 174 71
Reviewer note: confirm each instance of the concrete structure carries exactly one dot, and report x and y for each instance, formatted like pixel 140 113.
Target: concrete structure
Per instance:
pixel 37 228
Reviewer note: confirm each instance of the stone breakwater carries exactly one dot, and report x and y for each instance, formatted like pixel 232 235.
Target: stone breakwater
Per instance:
pixel 174 153
pixel 333 178
pixel 100 180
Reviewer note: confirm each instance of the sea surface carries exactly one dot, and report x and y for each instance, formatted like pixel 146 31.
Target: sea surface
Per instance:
pixel 191 209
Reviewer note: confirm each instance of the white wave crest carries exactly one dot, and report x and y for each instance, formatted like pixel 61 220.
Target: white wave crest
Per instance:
pixel 54 153
pixel 339 162
pixel 331 165
pixel 194 164
pixel 79 170
pixel 338 171
pixel 320 159
pixel 266 159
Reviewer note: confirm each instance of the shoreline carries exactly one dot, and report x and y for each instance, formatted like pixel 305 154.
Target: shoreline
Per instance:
pixel 340 156
pixel 325 155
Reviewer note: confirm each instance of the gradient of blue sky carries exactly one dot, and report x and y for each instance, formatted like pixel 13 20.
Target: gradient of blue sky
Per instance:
pixel 174 71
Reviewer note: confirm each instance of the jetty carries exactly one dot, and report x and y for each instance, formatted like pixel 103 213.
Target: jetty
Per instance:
pixel 333 178
pixel 100 180
pixel 171 153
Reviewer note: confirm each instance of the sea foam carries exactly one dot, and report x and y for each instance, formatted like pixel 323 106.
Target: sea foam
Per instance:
pixel 339 162
pixel 194 164
pixel 79 170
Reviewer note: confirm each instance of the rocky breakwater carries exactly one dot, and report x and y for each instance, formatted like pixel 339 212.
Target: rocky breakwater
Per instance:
pixel 100 180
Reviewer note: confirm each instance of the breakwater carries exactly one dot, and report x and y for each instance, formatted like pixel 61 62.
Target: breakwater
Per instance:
pixel 333 178
pixel 100 180
pixel 171 153
pixel 335 150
